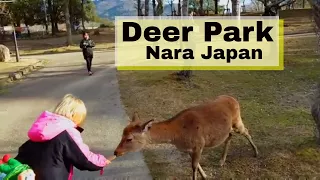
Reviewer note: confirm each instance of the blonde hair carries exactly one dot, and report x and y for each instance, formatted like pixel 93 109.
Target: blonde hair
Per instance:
pixel 72 108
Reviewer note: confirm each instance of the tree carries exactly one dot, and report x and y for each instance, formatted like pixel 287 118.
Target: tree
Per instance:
pixel 4 14
pixel 171 4
pixel 201 8
pixel 68 25
pixel 154 7
pixel 56 12
pixel 185 74
pixel 235 7
pixel 27 12
pixel 256 6
pixel 146 7
pixel 4 10
pixel 216 6
pixel 179 8
pixel 208 5
pixel 4 17
pixel 139 7
pixel 82 14
pixel 272 7
pixel 159 8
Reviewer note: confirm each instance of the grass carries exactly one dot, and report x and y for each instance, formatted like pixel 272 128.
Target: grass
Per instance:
pixel 3 88
pixel 296 21
pixel 275 109
pixel 9 67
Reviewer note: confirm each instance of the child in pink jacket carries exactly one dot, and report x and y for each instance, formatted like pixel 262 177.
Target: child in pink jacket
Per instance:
pixel 55 144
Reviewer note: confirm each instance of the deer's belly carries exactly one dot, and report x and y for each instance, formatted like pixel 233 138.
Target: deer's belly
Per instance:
pixel 217 138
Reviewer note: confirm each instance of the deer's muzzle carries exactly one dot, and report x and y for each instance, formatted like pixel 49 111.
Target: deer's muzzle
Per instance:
pixel 117 153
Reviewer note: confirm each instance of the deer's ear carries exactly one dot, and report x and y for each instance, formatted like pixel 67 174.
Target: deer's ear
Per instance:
pixel 145 127
pixel 135 117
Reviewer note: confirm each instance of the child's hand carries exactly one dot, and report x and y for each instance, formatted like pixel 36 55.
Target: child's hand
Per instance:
pixel 109 159
pixel 107 162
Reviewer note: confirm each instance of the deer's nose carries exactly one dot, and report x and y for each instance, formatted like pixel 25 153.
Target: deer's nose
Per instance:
pixel 118 153
pixel 115 153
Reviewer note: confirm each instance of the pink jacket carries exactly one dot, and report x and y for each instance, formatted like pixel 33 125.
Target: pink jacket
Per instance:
pixel 49 125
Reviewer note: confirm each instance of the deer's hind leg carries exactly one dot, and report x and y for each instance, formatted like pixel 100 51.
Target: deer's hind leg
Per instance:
pixel 225 151
pixel 239 128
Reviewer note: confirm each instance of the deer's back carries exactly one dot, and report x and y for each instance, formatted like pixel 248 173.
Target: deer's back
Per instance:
pixel 210 122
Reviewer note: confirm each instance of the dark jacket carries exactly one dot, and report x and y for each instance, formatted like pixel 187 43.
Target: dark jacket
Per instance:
pixel 86 46
pixel 55 146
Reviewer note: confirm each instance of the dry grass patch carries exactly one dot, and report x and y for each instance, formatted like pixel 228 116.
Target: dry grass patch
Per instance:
pixel 9 67
pixel 275 108
pixel 297 21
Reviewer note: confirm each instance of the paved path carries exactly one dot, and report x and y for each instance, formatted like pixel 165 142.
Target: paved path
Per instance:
pixel 41 91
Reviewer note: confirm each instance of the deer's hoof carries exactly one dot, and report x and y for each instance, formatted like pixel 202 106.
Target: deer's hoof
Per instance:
pixel 221 163
pixel 256 154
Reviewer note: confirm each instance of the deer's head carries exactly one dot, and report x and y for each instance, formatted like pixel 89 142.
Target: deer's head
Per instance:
pixel 134 136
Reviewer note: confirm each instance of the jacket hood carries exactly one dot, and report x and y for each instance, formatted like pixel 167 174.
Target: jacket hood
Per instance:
pixel 48 125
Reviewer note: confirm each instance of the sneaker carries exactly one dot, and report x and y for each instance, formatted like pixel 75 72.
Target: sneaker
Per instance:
pixel 90 73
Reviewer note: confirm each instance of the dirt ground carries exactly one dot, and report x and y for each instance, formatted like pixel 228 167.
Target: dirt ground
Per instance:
pixel 275 109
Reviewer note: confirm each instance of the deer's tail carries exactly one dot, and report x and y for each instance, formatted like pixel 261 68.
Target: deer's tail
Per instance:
pixel 237 123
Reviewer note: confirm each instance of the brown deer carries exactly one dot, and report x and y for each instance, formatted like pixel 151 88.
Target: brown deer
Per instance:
pixel 191 130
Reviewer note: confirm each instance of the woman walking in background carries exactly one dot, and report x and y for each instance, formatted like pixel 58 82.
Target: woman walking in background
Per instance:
pixel 86 45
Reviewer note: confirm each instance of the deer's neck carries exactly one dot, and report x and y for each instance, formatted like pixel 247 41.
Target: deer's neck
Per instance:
pixel 162 132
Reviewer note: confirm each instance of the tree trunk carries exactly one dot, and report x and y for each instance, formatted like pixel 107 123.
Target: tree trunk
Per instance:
pixel 159 9
pixel 139 7
pixel 235 7
pixel 56 28
pixel 216 8
pixel 68 25
pixel 185 74
pixel 52 17
pixel 28 29
pixel 72 21
pixel 154 7
pixel 82 15
pixel 46 16
pixel 146 7
pixel 179 8
pixel 201 8
pixel 185 7
pixel 171 8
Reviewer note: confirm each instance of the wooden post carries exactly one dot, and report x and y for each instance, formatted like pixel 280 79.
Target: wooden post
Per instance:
pixel 16 44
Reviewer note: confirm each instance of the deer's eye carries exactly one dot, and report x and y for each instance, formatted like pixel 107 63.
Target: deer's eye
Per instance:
pixel 129 140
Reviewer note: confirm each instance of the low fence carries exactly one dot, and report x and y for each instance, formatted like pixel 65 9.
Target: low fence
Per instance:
pixel 36 31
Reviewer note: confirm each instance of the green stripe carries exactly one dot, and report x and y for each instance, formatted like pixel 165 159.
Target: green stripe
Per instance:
pixel 19 169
